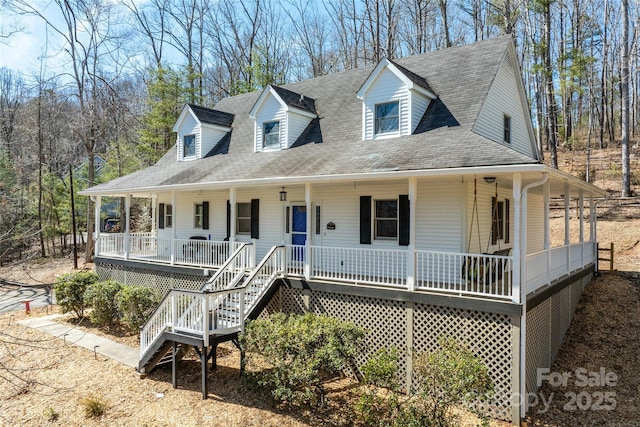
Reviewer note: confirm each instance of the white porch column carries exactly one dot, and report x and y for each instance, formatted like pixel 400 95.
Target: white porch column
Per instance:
pixel 592 219
pixel 97 225
pixel 411 249
pixel 567 214
pixel 547 238
pixel 154 215
pixel 517 238
pixel 547 192
pixel 127 223
pixel 581 215
pixel 307 243
pixel 174 227
pixel 232 218
pixel 567 233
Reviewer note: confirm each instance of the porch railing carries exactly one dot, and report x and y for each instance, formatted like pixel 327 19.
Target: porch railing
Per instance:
pixel 546 266
pixel 357 265
pixel 147 247
pixel 464 274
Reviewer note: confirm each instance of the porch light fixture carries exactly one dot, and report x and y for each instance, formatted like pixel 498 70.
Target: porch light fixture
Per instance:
pixel 283 195
pixel 489 179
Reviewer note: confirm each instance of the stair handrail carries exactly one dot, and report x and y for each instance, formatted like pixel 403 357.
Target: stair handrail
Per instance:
pixel 165 308
pixel 208 294
pixel 227 267
pixel 215 296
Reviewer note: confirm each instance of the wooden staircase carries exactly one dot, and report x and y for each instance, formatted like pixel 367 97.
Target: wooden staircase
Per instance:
pixel 214 314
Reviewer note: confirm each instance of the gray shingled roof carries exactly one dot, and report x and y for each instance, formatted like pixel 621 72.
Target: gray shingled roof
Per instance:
pixel 296 100
pixel 213 117
pixel 443 139
pixel 419 80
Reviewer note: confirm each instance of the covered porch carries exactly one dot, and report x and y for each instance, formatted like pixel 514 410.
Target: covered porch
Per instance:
pixel 517 262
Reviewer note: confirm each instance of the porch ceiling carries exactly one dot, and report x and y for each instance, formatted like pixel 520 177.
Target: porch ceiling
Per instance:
pixel 504 175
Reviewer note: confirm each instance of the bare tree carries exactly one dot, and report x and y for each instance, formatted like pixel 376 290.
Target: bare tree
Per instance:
pixel 624 94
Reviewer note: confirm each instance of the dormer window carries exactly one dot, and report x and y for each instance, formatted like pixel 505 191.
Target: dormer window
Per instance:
pixel 394 100
pixel 281 117
pixel 189 145
pixel 199 131
pixel 387 118
pixel 271 134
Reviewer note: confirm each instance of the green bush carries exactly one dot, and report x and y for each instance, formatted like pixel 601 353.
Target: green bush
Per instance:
pixel 102 297
pixel 70 289
pixel 301 352
pixel 379 400
pixel 136 303
pixel 447 378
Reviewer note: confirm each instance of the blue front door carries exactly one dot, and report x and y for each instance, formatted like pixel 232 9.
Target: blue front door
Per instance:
pixel 298 231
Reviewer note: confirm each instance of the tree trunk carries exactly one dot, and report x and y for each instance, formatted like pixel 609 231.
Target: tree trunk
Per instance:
pixel 624 94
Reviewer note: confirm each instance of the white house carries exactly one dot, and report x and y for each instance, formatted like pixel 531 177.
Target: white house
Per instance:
pixel 408 197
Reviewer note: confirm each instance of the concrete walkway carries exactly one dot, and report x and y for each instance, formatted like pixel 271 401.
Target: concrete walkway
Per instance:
pixel 113 350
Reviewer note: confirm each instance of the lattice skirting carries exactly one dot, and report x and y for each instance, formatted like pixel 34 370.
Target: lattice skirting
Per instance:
pixel 547 324
pixel 413 327
pixel 162 281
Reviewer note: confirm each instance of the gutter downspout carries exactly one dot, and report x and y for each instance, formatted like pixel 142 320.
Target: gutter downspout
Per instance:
pixel 523 289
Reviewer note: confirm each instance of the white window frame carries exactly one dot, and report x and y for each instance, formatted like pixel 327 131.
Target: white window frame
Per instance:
pixel 246 219
pixel 184 145
pixel 266 135
pixel 506 128
pixel 168 215
pixel 198 215
pixel 376 119
pixel 376 218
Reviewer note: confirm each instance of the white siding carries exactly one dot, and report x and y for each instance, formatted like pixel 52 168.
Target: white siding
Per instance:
pixel 440 216
pixel 210 137
pixel 271 110
pixel 271 218
pixel 297 124
pixel 189 126
pixel 483 220
pixel 419 104
pixel 535 223
pixel 504 98
pixel 387 87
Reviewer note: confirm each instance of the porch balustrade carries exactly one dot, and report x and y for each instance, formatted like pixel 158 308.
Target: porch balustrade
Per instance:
pixel 147 247
pixel 544 267
pixel 447 272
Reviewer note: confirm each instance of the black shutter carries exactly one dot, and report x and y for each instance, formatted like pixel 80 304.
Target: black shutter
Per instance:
pixel 228 219
pixel 365 220
pixel 161 216
pixel 403 219
pixel 255 218
pixel 506 220
pixel 205 215
pixel 494 221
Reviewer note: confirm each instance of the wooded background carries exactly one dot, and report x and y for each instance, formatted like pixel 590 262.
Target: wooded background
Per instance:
pixel 116 74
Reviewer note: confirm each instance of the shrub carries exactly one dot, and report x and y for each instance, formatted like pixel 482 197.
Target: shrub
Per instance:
pixel 136 304
pixel 444 379
pixel 379 400
pixel 447 378
pixel 93 407
pixel 51 414
pixel 102 297
pixel 70 289
pixel 301 352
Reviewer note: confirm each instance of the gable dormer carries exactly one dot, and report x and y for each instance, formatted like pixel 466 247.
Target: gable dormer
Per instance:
pixel 199 129
pixel 280 117
pixel 394 100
